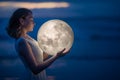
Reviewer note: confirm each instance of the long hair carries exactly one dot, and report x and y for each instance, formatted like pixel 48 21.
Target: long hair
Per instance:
pixel 13 29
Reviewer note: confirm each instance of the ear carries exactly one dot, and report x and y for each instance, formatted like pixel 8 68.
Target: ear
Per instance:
pixel 21 21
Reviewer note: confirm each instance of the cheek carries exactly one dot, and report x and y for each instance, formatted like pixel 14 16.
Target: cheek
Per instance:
pixel 29 24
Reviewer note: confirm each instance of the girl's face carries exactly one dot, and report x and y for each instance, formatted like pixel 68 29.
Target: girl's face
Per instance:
pixel 28 23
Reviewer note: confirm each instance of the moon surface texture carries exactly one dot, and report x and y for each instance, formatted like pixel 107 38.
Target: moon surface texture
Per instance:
pixel 55 35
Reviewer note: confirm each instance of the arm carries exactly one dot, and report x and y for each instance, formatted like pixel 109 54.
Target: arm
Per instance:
pixel 45 56
pixel 25 50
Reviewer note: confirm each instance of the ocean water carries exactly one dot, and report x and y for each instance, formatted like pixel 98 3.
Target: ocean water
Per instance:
pixel 95 54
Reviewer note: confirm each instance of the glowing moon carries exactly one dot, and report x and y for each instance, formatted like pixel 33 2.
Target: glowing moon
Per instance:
pixel 55 35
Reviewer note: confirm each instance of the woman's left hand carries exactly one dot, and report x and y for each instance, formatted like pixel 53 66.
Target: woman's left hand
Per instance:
pixel 62 52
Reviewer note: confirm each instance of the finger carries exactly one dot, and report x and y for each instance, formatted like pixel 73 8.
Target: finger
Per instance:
pixel 66 51
pixel 63 50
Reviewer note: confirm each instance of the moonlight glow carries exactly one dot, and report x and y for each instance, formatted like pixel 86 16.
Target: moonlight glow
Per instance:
pixel 55 35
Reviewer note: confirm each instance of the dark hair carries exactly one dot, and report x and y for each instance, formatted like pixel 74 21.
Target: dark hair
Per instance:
pixel 13 29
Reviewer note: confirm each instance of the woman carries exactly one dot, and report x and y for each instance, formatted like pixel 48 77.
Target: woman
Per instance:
pixel 35 60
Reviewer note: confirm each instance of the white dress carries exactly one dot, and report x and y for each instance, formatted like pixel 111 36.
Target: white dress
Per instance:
pixel 38 53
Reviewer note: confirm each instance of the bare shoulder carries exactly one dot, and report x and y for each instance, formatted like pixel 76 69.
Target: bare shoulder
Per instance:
pixel 21 44
pixel 20 41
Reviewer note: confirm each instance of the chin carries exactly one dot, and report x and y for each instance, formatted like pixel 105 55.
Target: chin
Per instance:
pixel 30 30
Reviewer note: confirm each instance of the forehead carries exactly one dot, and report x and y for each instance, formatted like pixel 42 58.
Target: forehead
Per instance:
pixel 30 15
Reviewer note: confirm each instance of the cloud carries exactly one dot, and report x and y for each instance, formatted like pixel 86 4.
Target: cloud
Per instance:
pixel 33 5
pixel 39 8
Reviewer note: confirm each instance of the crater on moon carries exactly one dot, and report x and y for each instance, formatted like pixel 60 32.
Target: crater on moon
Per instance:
pixel 55 35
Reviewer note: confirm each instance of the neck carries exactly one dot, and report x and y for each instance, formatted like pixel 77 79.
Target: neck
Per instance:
pixel 24 33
